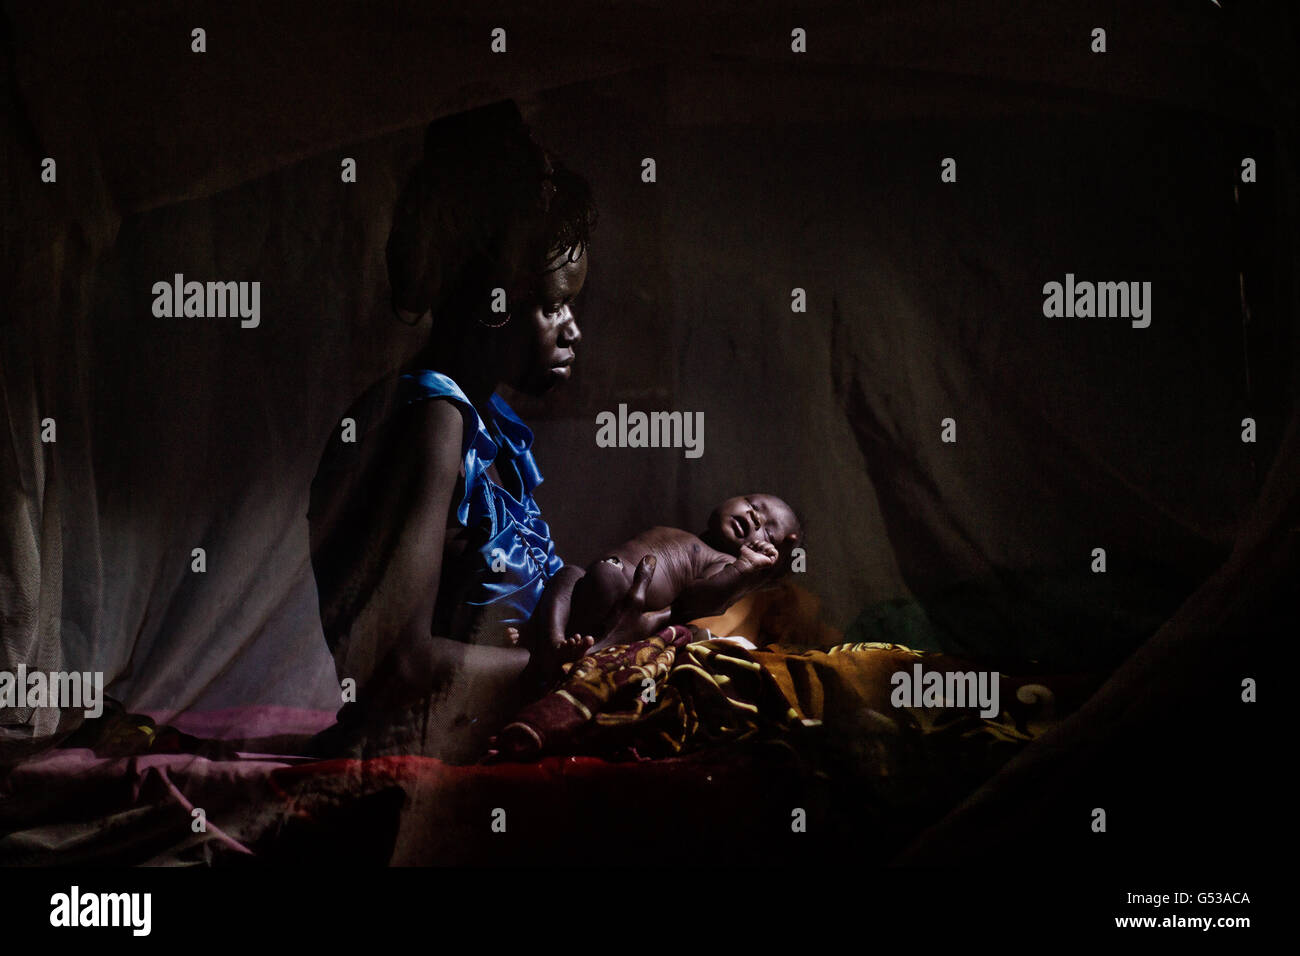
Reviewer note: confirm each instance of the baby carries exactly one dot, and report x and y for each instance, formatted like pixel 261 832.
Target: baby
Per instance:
pixel 747 544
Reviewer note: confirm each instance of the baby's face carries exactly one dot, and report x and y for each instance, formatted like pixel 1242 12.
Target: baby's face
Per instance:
pixel 749 519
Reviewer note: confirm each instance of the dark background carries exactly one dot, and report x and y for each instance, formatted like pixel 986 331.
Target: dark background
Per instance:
pixel 775 170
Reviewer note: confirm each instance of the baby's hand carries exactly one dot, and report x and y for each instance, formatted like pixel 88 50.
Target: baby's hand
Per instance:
pixel 756 557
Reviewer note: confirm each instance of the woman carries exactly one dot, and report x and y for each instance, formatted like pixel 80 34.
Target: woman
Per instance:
pixel 428 547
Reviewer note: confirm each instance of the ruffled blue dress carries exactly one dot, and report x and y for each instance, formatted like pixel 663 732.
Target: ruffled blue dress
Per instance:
pixel 515 553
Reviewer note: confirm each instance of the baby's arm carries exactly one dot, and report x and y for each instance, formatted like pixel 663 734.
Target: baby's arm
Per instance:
pixel 715 593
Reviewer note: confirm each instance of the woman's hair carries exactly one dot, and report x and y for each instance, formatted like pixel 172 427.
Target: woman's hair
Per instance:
pixel 486 206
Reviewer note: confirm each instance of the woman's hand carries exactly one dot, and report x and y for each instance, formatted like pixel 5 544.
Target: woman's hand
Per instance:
pixel 629 620
pixel 626 622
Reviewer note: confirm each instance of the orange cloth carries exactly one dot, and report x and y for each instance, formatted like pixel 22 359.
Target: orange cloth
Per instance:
pixel 783 614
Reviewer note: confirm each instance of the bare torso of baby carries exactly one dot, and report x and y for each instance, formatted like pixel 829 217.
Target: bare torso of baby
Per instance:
pixel 692 578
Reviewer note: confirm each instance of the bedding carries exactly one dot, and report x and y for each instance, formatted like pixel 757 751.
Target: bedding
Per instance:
pixel 681 737
pixel 684 691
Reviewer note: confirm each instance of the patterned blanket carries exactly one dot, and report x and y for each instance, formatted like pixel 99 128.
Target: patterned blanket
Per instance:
pixel 684 691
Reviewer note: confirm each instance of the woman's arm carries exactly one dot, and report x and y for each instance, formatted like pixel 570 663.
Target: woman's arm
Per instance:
pixel 391 638
pixel 400 613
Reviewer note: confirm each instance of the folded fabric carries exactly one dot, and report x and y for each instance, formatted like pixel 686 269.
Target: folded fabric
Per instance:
pixel 676 693
pixel 612 680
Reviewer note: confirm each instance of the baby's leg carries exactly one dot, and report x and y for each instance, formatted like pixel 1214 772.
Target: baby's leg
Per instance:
pixel 596 592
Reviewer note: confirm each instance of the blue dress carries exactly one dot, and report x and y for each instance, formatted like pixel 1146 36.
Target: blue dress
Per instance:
pixel 518 556
pixel 360 503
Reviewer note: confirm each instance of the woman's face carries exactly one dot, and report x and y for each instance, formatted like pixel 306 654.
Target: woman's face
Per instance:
pixel 543 329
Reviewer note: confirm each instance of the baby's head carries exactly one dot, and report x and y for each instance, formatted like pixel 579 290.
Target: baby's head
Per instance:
pixel 749 519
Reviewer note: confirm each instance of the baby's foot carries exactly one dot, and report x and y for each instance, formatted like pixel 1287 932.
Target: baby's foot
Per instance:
pixel 572 647
pixel 550 658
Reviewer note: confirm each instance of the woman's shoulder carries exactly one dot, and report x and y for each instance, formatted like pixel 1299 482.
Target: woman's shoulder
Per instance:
pixel 419 385
pixel 436 428
pixel 432 404
pixel 423 409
